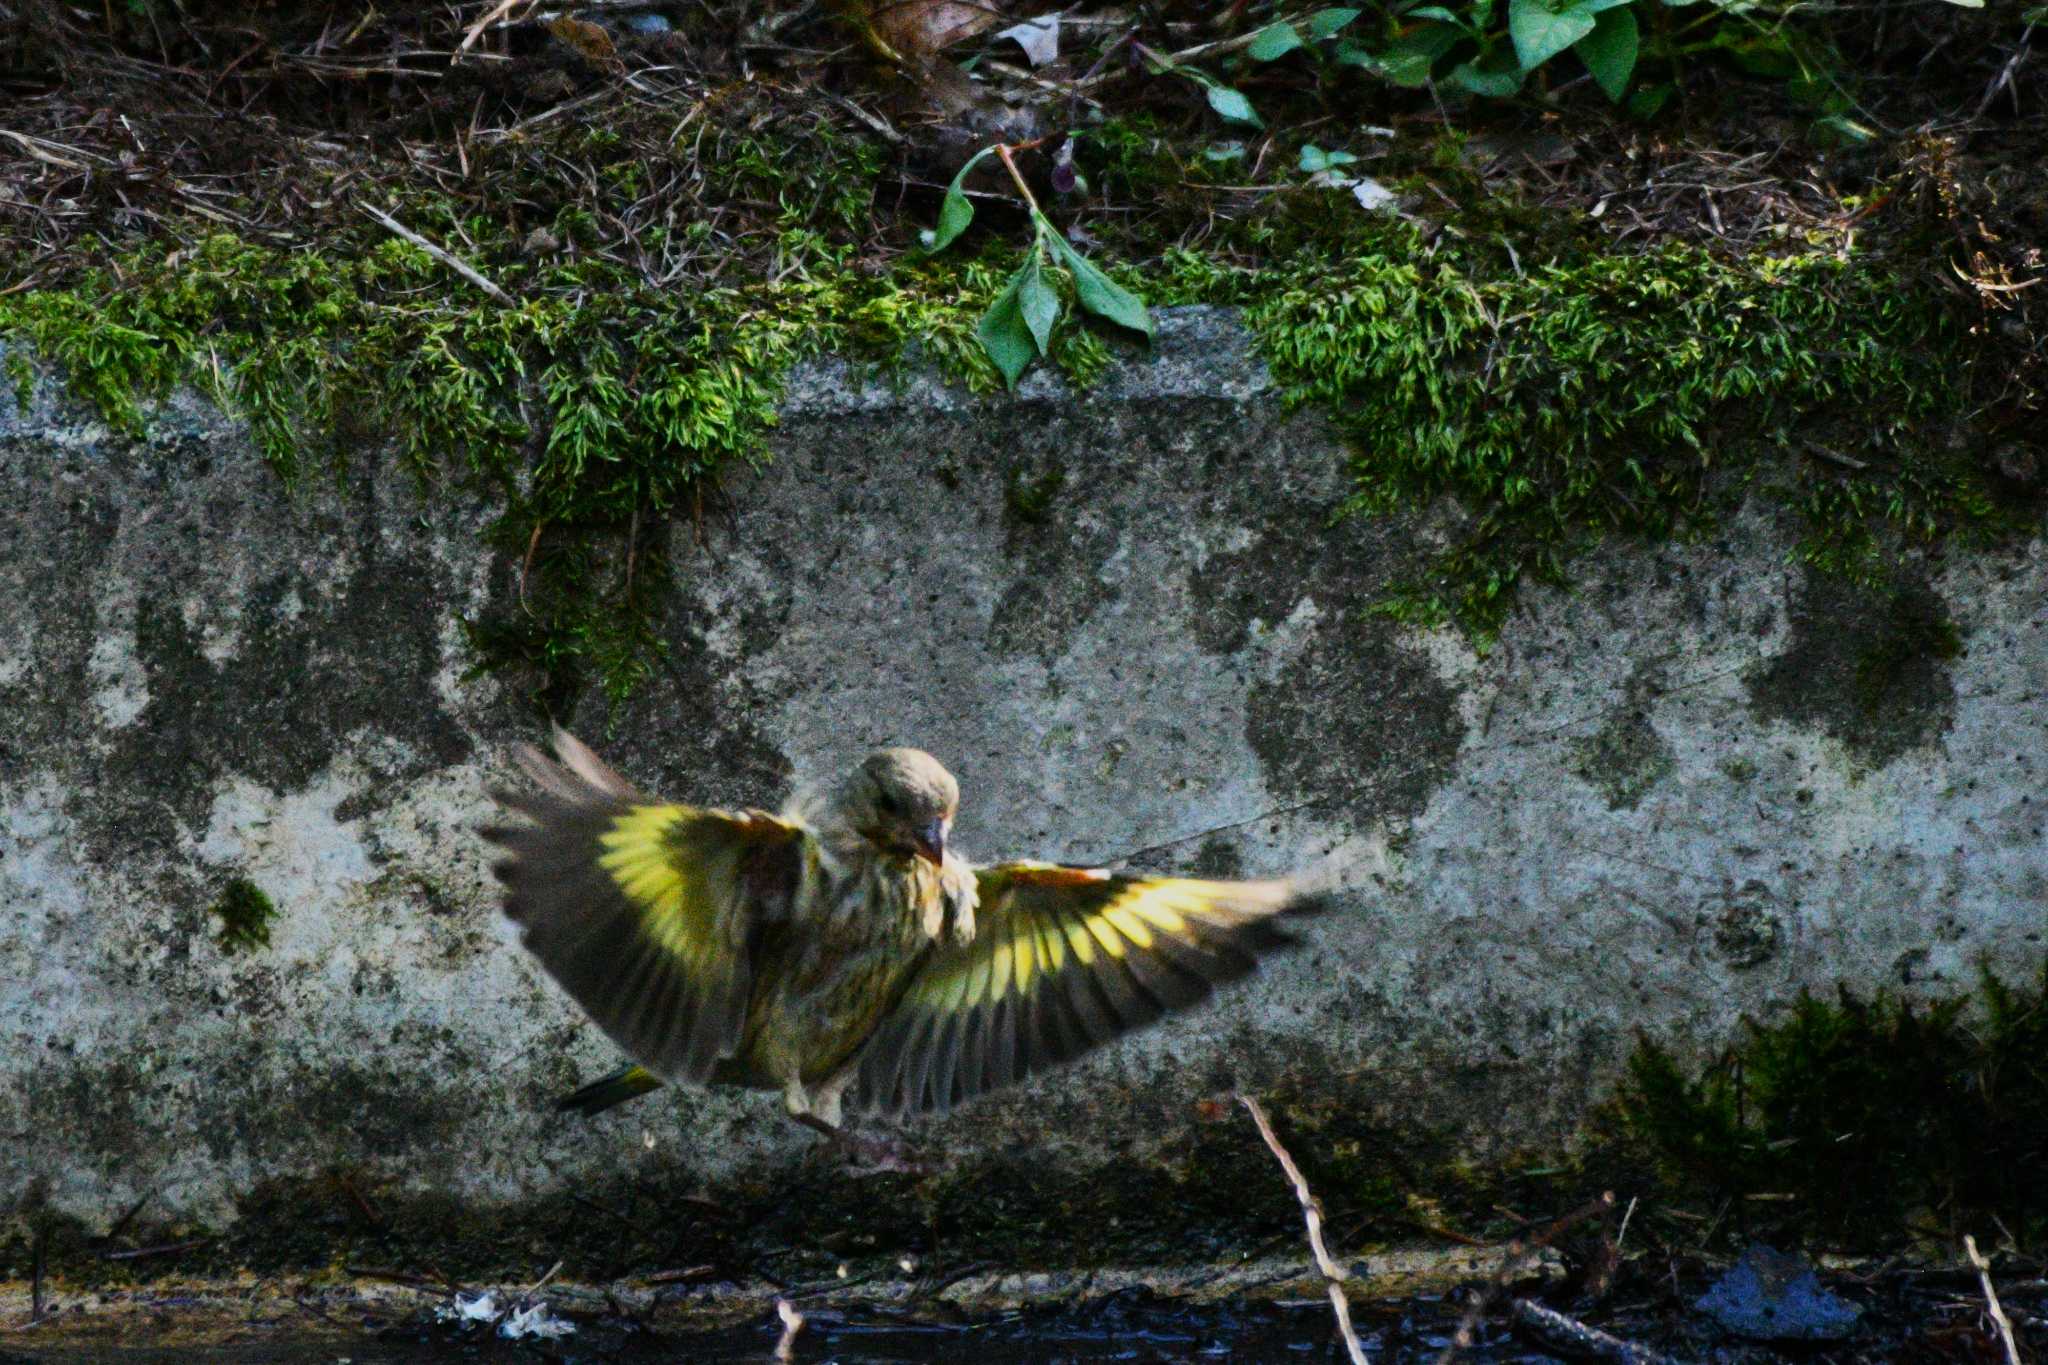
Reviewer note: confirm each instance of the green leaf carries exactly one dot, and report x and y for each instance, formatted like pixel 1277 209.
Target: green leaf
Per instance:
pixel 1314 158
pixel 1437 12
pixel 1036 299
pixel 1609 51
pixel 1541 32
pixel 956 212
pixel 1324 22
pixel 1223 151
pixel 1274 40
pixel 1766 54
pixel 1351 54
pixel 1648 100
pixel 2037 15
pixel 1409 59
pixel 1003 331
pixel 1498 84
pixel 1232 105
pixel 1097 292
pixel 1968 4
pixel 1841 130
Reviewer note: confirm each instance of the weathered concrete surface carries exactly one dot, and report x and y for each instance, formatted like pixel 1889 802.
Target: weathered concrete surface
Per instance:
pixel 1673 797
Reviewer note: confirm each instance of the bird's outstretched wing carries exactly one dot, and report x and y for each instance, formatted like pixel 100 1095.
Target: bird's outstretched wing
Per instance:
pixel 1065 958
pixel 642 909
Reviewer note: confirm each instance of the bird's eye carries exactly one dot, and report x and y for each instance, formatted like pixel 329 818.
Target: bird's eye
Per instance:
pixel 887 803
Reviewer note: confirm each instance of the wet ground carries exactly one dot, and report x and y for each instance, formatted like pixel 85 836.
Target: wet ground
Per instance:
pixel 1647 1313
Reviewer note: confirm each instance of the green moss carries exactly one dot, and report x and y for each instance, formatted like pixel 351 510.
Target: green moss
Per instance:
pixel 1847 1115
pixel 1634 394
pixel 597 411
pixel 245 914
pixel 1029 501
pixel 1556 394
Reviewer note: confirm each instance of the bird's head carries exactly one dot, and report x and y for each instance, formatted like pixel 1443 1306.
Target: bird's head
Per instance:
pixel 903 801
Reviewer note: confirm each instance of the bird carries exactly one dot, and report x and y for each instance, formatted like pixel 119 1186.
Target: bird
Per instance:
pixel 842 951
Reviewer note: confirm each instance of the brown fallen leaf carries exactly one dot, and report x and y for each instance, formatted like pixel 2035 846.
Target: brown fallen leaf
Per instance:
pixel 923 28
pixel 590 40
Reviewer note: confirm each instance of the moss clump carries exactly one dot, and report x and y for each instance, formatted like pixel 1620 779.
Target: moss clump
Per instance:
pixel 1600 394
pixel 1556 404
pixel 245 914
pixel 597 411
pixel 1848 1115
pixel 1030 501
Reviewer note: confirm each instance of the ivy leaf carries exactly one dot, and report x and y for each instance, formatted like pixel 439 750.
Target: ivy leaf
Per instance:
pixel 955 213
pixel 1541 32
pixel 1609 51
pixel 1649 99
pixel 1097 292
pixel 1324 22
pixel 1314 158
pixel 1003 330
pixel 1232 105
pixel 1499 84
pixel 1036 299
pixel 1351 54
pixel 1274 40
pixel 1410 58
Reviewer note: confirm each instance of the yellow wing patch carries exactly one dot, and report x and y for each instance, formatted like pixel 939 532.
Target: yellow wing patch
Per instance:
pixel 637 856
pixel 1066 958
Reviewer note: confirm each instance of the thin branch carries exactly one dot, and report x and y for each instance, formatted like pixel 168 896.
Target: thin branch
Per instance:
pixel 2012 1349
pixel 792 1323
pixel 1569 1334
pixel 1517 1252
pixel 1334 1275
pixel 445 257
pixel 2004 78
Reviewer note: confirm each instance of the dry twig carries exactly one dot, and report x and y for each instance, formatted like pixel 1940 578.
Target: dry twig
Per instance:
pixel 1518 1251
pixel 445 257
pixel 1569 1334
pixel 1334 1275
pixel 2012 1349
pixel 792 1323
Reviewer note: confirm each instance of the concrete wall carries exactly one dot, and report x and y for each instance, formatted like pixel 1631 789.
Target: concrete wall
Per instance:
pixel 1673 797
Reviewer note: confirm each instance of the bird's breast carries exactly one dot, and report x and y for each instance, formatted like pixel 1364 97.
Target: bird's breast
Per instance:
pixel 823 984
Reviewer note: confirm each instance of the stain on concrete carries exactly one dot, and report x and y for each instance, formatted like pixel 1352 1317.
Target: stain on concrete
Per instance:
pixel 1059 547
pixel 696 731
pixel 1870 669
pixel 1745 927
pixel 1624 759
pixel 1216 857
pixel 312 669
pixel 1358 719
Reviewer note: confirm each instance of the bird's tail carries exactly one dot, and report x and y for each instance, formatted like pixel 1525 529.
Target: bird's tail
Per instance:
pixel 628 1082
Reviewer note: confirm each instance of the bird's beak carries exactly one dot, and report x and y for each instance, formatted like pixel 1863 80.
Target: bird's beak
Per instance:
pixel 931 843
